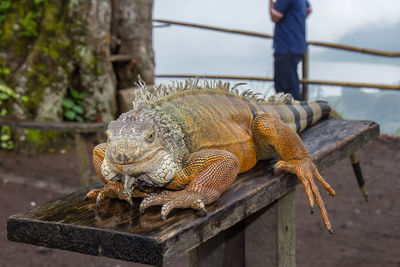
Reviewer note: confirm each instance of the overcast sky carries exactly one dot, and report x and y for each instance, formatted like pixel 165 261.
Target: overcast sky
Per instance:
pixel 188 50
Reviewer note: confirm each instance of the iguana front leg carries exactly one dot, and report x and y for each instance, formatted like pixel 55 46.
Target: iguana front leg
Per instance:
pixel 111 189
pixel 208 174
pixel 294 158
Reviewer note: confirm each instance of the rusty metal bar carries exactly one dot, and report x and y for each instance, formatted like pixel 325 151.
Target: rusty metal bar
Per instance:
pixel 354 84
pixel 269 36
pixel 355 49
pixel 219 77
pixel 266 79
pixel 75 127
pixel 206 27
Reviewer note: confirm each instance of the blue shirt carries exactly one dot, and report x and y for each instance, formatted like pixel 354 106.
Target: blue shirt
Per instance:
pixel 290 31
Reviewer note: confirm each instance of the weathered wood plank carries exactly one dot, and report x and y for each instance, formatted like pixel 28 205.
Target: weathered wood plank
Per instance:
pixel 75 127
pixel 118 231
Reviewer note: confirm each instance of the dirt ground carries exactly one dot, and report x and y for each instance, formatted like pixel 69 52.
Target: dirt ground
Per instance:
pixel 366 234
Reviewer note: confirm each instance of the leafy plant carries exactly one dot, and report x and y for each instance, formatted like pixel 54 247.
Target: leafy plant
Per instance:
pixel 6 138
pixel 6 93
pixel 29 25
pixel 30 21
pixel 4 71
pixel 73 106
pixel 4 6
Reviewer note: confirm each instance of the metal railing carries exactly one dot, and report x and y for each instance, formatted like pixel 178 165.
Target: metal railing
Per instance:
pixel 305 80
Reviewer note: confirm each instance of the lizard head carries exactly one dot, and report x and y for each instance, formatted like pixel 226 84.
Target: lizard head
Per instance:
pixel 136 150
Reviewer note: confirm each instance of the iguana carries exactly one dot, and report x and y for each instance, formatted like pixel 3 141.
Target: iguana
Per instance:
pixel 182 146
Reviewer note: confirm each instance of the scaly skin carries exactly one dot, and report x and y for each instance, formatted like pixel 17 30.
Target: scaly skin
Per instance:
pixel 194 143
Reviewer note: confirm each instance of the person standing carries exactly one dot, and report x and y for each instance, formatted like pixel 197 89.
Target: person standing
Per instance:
pixel 290 43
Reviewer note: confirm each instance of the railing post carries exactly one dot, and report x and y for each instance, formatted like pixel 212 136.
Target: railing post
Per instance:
pixel 83 161
pixel 305 75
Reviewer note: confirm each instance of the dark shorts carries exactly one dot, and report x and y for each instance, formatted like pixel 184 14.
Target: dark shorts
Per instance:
pixel 285 74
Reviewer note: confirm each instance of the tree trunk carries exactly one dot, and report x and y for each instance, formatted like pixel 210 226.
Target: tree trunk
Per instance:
pixel 132 36
pixel 54 50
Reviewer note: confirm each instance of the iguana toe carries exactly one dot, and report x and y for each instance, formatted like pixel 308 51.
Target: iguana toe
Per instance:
pixel 174 200
pixel 93 194
pixel 113 190
pixel 307 172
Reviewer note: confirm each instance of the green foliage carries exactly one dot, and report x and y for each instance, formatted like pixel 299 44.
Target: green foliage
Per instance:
pixel 4 71
pixel 20 23
pixel 73 106
pixel 30 21
pixel 6 93
pixel 29 24
pixel 40 139
pixel 4 6
pixel 6 141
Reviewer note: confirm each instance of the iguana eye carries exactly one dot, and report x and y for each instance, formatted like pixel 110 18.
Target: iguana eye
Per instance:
pixel 150 137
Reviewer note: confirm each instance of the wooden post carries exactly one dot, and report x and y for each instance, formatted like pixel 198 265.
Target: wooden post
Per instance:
pixel 270 234
pixel 305 75
pixel 83 161
pixel 224 249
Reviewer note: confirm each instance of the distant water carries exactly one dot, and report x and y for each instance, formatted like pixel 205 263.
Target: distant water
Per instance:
pixel 353 72
pixel 381 106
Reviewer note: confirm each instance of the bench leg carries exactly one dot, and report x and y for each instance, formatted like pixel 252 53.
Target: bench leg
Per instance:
pixel 224 249
pixel 270 234
pixel 266 238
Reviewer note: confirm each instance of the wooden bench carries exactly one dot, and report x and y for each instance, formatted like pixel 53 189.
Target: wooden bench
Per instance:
pixel 253 224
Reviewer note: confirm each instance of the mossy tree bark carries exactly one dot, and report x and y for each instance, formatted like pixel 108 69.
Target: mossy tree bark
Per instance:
pixel 50 47
pixel 132 35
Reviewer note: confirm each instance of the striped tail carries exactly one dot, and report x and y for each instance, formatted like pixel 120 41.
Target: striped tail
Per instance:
pixel 310 112
pixel 301 115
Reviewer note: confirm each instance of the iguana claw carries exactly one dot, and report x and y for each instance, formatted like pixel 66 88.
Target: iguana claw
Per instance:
pixel 174 199
pixel 113 190
pixel 306 171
